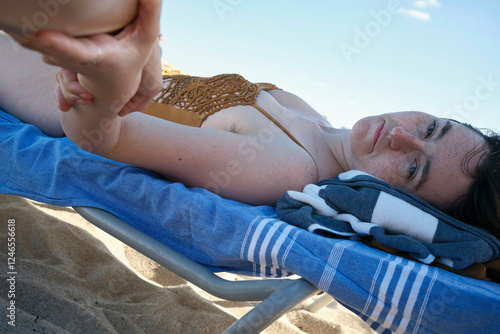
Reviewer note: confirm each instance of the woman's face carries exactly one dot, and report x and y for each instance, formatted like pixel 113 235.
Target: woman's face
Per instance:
pixel 417 152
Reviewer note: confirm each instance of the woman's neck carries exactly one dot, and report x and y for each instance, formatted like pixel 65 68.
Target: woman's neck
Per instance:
pixel 337 141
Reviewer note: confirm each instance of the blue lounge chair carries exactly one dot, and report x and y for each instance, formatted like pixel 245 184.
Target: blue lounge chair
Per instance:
pixel 164 220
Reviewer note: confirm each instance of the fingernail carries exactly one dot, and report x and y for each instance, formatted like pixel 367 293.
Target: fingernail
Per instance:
pixel 81 102
pixel 85 96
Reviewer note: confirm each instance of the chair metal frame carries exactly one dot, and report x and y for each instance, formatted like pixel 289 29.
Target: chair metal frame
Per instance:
pixel 277 296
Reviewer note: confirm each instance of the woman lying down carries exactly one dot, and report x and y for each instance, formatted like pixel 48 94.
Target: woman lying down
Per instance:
pixel 245 141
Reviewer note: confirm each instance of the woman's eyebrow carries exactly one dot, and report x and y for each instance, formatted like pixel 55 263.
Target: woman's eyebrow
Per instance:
pixel 427 165
pixel 444 130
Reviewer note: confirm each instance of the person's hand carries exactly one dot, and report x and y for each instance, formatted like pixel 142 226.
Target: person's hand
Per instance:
pixel 151 83
pixel 112 68
pixel 70 92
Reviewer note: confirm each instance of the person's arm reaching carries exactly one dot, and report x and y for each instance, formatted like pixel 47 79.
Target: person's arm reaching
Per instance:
pixel 110 68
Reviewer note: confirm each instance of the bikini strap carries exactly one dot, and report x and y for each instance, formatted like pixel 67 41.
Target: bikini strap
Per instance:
pixel 278 124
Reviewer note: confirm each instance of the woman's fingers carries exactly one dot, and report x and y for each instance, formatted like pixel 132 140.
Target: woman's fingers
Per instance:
pixel 62 104
pixel 70 80
pixel 107 65
pixel 151 84
pixel 149 19
pixel 144 31
pixel 74 53
pixel 151 81
pixel 69 91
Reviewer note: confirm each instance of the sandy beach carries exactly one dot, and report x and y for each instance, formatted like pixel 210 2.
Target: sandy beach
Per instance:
pixel 71 277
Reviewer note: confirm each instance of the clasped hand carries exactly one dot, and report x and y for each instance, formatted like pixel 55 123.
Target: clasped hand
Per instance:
pixel 123 70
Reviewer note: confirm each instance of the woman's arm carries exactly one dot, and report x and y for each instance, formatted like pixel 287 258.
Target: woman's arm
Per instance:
pixel 128 67
pixel 77 18
pixel 241 167
pixel 73 17
pixel 110 68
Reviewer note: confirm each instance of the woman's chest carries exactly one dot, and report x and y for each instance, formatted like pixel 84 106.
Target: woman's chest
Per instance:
pixel 267 117
pixel 273 126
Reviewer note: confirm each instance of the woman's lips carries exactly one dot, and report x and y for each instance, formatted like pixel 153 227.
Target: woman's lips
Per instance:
pixel 377 134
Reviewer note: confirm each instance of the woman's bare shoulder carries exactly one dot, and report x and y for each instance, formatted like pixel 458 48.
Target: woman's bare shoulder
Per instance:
pixel 295 103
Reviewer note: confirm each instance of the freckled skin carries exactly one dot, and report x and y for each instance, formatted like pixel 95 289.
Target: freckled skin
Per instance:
pixel 407 142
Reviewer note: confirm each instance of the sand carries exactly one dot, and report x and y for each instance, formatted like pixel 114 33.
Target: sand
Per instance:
pixel 71 277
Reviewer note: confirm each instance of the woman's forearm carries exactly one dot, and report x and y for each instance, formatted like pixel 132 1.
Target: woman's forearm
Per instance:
pixel 74 17
pixel 86 127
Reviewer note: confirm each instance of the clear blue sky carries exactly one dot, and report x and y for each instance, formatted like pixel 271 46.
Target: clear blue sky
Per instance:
pixel 349 59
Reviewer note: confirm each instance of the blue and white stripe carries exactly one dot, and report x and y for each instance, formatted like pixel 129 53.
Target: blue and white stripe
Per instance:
pixel 403 293
pixel 265 240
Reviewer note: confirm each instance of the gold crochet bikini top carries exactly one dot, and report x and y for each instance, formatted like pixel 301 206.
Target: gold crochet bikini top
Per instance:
pixel 189 100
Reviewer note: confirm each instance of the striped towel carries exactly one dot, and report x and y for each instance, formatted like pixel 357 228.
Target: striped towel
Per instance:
pixel 358 206
pixel 392 294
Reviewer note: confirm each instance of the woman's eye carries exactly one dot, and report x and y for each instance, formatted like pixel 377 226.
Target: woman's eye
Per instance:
pixel 413 169
pixel 431 129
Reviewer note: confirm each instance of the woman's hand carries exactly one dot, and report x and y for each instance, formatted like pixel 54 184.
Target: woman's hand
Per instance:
pixel 70 92
pixel 151 83
pixel 113 69
pixel 110 69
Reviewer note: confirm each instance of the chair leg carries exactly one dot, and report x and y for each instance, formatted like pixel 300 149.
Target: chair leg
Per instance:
pixel 273 307
pixel 319 303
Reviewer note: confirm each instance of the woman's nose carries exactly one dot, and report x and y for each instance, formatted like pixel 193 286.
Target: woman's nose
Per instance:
pixel 403 140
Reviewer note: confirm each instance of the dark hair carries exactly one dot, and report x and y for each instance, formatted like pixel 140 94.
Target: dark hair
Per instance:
pixel 480 207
